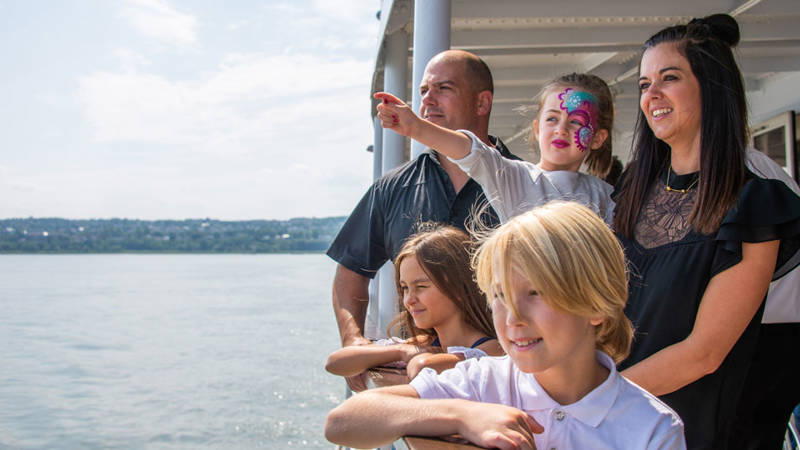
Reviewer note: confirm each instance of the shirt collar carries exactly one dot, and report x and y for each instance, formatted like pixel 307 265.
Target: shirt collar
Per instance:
pixel 501 147
pixel 536 172
pixel 592 409
pixel 595 406
pixel 434 155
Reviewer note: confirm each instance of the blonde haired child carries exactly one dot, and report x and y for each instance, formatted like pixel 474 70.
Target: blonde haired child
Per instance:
pixel 572 127
pixel 441 308
pixel 556 276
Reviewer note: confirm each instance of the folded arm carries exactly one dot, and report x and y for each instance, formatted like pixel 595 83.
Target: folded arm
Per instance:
pixel 443 361
pixel 353 360
pixel 379 416
pixel 436 361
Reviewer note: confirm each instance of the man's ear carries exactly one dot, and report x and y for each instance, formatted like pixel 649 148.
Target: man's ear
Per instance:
pixel 599 138
pixel 484 103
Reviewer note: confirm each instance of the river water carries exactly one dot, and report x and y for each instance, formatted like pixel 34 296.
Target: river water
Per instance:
pixel 166 351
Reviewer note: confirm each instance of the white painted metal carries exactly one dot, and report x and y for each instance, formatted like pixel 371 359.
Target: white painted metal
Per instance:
pixel 779 92
pixel 387 301
pixel 371 325
pixel 384 307
pixel 377 149
pixel 528 42
pixel 395 82
pixel 431 36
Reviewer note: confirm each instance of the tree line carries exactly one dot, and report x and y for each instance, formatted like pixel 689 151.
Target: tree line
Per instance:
pixel 54 235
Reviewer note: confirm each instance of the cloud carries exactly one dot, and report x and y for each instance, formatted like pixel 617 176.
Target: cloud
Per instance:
pixel 130 59
pixel 330 25
pixel 341 10
pixel 246 128
pixel 259 136
pixel 158 20
pixel 248 97
pixel 171 192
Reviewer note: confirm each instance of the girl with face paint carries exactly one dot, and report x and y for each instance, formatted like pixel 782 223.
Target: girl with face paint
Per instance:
pixel 573 128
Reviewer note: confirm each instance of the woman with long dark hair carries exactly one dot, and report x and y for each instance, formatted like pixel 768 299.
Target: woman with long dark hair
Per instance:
pixel 704 236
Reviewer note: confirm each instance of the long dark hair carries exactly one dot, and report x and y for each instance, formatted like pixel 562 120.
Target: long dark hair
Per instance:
pixel 444 254
pixel 707 45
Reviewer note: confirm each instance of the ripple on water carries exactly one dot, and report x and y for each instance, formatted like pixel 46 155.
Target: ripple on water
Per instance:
pixel 166 351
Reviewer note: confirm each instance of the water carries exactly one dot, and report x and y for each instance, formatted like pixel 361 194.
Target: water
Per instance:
pixel 166 351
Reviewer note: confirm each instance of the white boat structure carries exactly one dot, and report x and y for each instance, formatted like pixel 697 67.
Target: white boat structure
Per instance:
pixel 526 43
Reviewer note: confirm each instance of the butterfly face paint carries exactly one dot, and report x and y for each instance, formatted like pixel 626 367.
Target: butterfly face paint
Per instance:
pixel 581 106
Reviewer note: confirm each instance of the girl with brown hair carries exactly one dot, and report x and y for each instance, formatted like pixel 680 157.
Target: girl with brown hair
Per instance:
pixel 444 317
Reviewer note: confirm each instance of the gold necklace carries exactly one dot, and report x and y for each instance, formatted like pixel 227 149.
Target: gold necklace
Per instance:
pixel 680 191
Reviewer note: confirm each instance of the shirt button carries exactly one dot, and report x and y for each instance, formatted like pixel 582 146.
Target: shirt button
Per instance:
pixel 560 415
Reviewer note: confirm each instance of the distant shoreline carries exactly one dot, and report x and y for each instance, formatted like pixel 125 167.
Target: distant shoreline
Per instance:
pixel 288 252
pixel 190 236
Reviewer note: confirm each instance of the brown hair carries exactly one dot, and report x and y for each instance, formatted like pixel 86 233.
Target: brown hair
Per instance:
pixel 707 45
pixel 598 162
pixel 444 254
pixel 573 259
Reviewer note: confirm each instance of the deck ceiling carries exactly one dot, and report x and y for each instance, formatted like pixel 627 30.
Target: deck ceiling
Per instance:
pixel 528 42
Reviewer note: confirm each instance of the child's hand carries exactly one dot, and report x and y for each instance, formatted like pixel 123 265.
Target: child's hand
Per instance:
pixel 409 351
pixel 416 364
pixel 432 357
pixel 395 115
pixel 357 383
pixel 498 426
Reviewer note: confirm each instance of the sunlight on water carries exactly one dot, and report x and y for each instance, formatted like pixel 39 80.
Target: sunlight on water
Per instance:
pixel 166 351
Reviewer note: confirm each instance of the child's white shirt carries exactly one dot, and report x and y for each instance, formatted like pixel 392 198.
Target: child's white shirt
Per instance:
pixel 615 415
pixel 513 187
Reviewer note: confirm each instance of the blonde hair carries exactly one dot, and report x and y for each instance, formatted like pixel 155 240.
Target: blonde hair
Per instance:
pixel 572 258
pixel 443 252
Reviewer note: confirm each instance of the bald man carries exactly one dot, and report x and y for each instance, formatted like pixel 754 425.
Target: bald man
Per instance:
pixel 457 91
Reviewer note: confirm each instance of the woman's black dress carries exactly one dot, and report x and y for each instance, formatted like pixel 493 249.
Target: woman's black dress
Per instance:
pixel 671 265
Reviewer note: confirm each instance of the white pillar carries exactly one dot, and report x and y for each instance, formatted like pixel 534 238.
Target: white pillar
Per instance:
pixel 395 81
pixel 377 149
pixel 387 303
pixel 371 324
pixel 431 36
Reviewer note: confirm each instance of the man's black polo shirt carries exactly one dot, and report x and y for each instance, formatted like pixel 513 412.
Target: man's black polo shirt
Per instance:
pixel 418 191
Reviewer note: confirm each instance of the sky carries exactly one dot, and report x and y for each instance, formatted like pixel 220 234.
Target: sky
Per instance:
pixel 175 109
